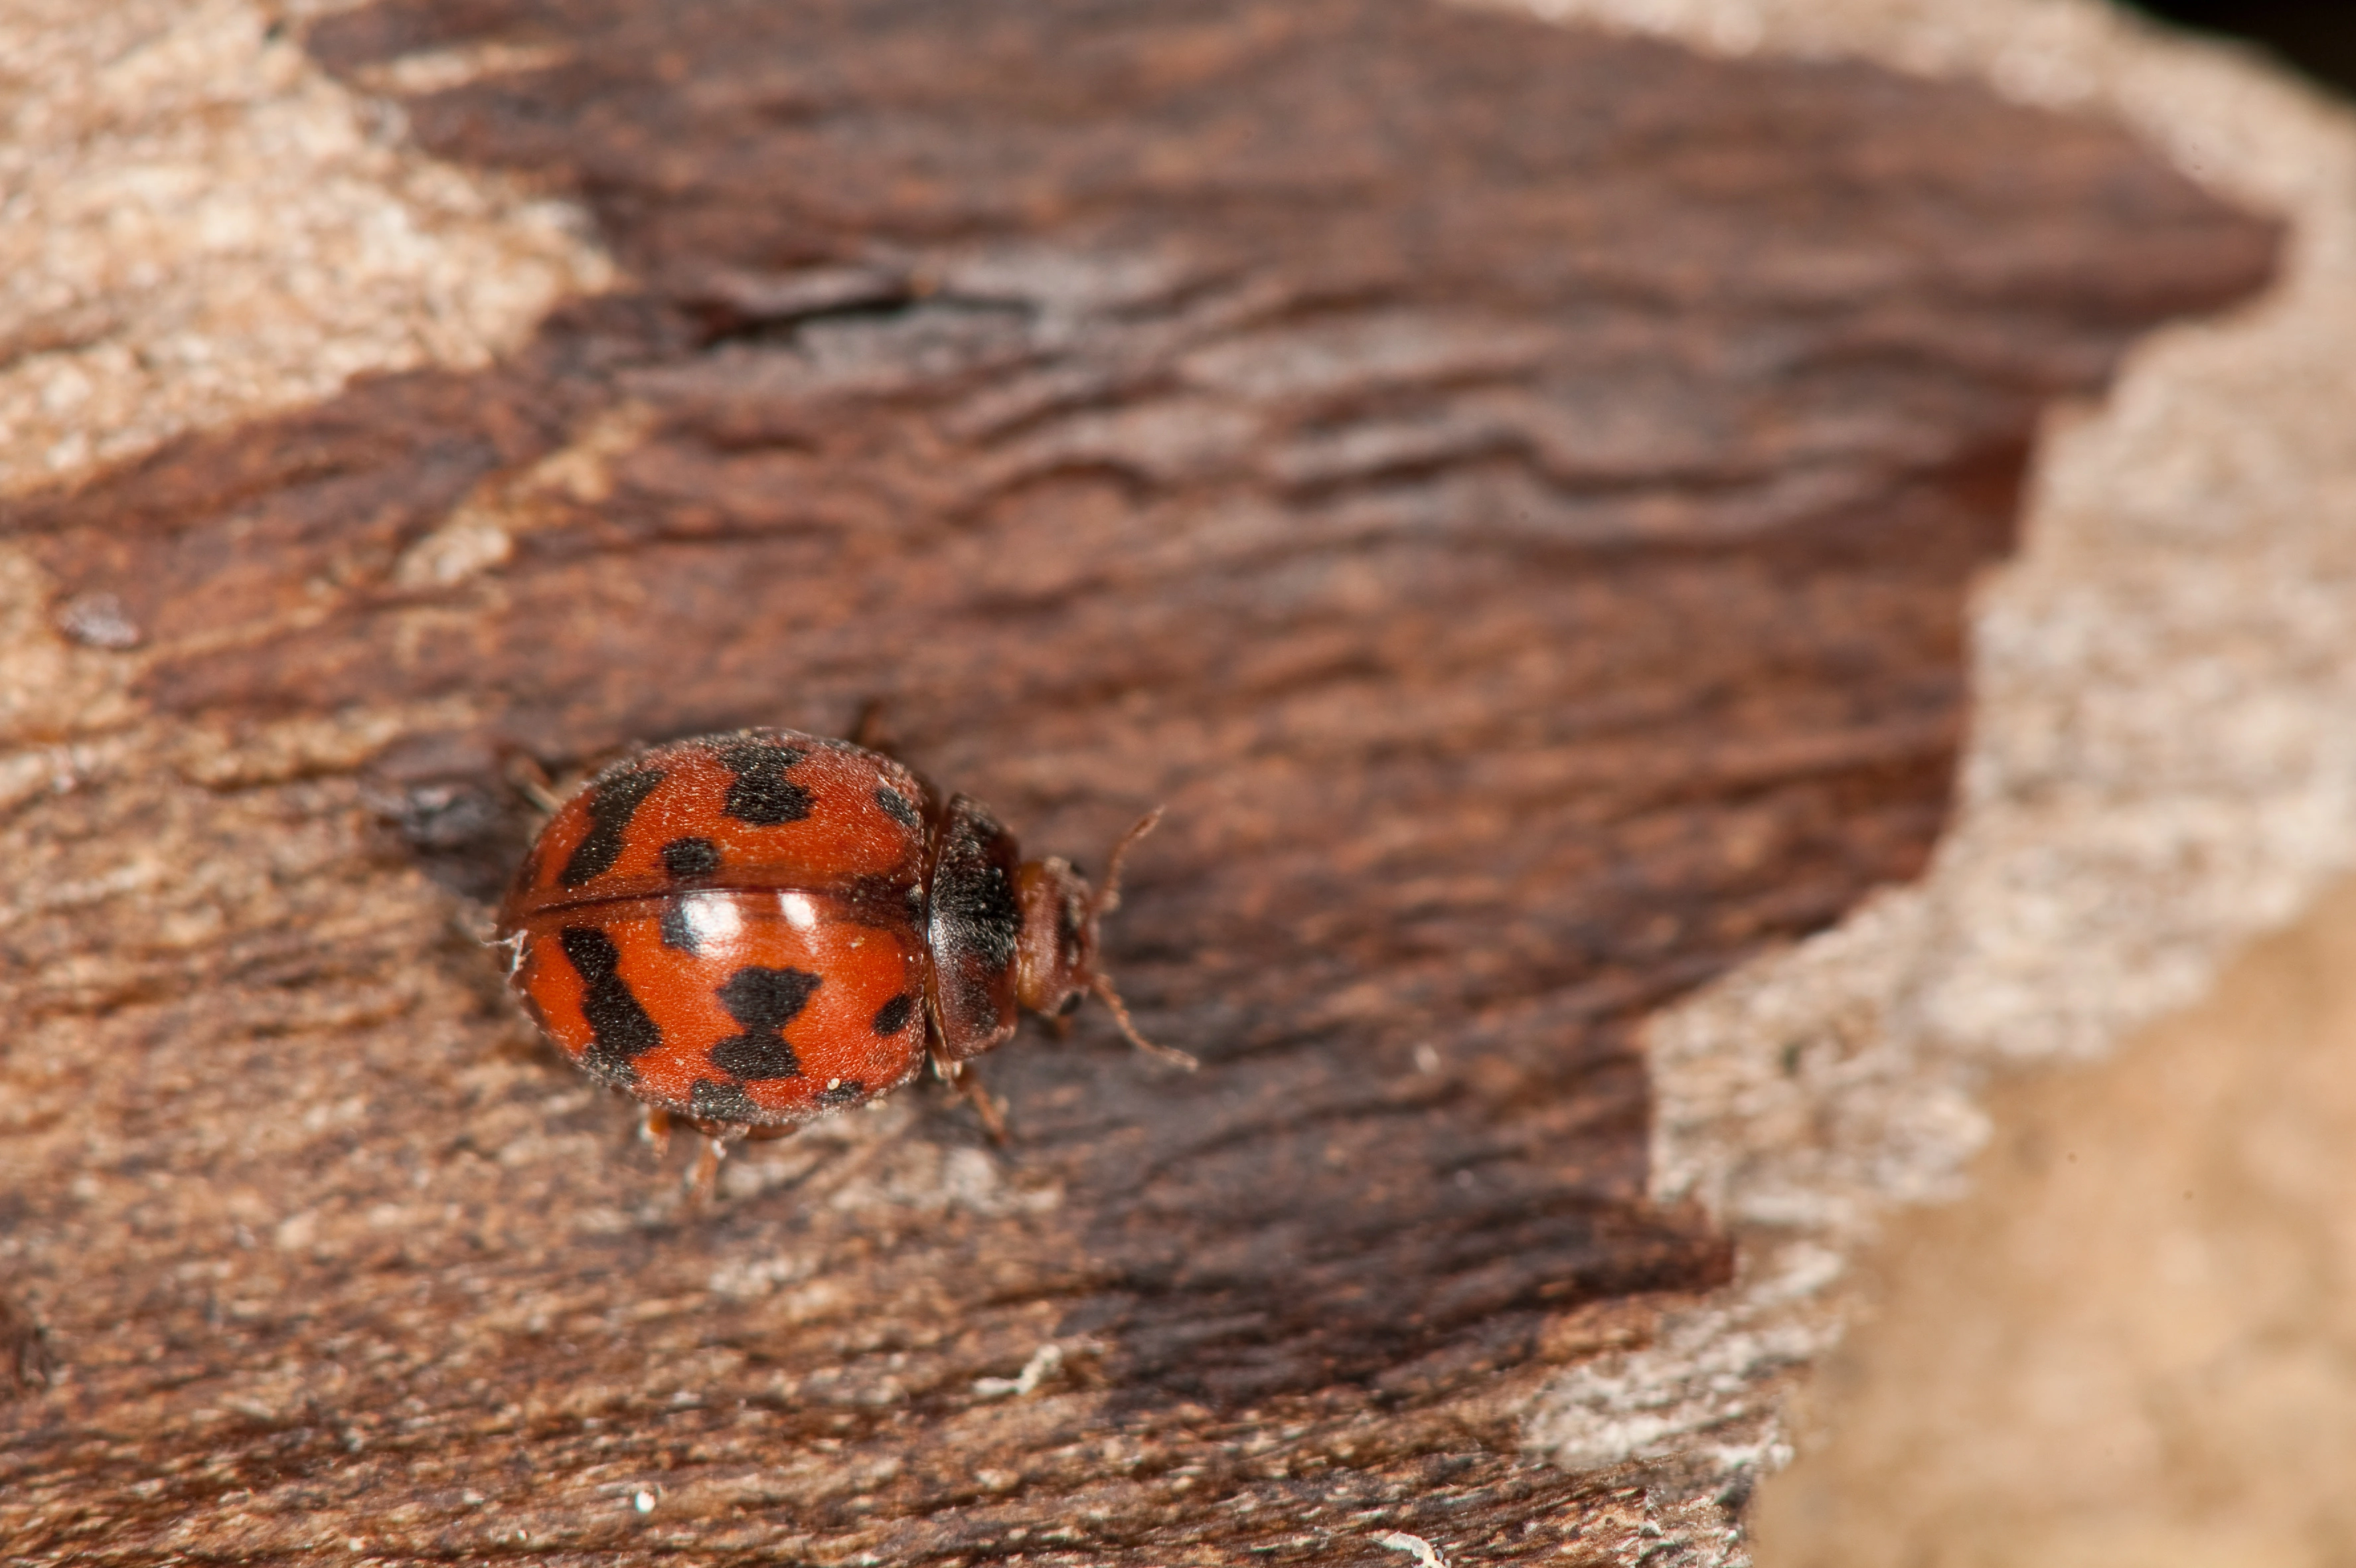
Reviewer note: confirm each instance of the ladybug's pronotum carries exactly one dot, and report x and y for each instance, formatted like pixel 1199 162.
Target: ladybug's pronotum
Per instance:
pixel 751 930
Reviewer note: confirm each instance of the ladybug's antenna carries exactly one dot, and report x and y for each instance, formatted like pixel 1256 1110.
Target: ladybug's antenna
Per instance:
pixel 1106 900
pixel 1102 986
pixel 1108 897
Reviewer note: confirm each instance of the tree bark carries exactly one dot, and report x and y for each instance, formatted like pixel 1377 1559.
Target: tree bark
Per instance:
pixel 1510 493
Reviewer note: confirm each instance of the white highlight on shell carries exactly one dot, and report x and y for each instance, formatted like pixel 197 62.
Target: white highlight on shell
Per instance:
pixel 711 917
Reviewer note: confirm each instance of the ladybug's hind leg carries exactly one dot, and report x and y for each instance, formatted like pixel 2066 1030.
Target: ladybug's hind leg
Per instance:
pixel 868 730
pixel 527 778
pixel 547 793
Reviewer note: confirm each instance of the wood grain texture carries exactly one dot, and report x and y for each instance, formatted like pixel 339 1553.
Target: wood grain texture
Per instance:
pixel 1509 493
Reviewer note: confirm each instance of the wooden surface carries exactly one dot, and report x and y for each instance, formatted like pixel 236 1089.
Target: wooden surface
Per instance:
pixel 1509 493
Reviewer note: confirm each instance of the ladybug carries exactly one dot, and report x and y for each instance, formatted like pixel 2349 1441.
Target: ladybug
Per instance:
pixel 749 931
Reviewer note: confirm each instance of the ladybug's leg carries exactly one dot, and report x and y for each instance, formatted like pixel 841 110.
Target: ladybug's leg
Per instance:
pixel 968 1083
pixel 987 1107
pixel 527 778
pixel 1102 987
pixel 530 780
pixel 656 1130
pixel 704 1179
pixel 868 731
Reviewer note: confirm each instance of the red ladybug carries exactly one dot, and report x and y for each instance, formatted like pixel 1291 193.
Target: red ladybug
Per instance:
pixel 756 929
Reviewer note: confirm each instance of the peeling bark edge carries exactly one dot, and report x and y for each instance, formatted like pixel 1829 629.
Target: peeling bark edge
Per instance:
pixel 1880 1030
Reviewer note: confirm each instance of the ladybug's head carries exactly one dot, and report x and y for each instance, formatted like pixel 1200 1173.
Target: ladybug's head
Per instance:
pixel 1055 952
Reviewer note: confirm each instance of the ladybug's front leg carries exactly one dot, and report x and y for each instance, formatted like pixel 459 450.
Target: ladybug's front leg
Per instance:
pixel 968 1082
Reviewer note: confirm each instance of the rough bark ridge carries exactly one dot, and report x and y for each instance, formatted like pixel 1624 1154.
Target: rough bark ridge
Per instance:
pixel 1509 493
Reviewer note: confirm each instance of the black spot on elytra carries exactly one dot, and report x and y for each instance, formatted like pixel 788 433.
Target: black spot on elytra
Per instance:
pixel 612 803
pixel 724 1103
pixel 691 858
pixel 762 794
pixel 898 806
pixel 764 1001
pixel 620 1027
pixel 849 1092
pixel 892 1016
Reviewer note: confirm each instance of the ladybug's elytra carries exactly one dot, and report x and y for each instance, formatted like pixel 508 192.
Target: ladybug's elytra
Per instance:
pixel 751 930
